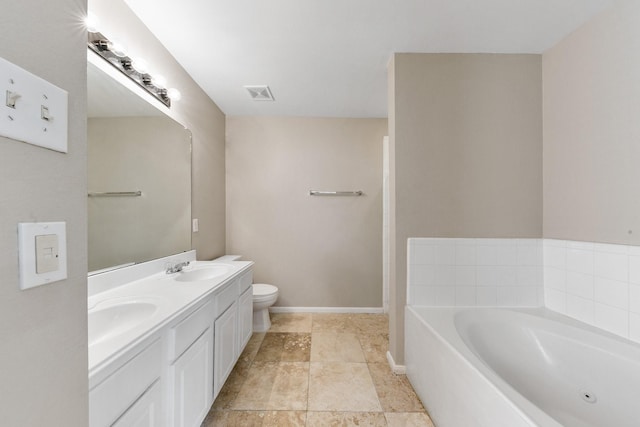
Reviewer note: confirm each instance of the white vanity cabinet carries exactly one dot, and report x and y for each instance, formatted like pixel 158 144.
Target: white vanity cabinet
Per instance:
pixel 232 328
pixel 245 311
pixel 127 395
pixel 146 411
pixel 171 377
pixel 225 346
pixel 191 367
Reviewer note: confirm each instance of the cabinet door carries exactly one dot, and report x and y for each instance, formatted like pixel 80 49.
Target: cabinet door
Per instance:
pixel 110 399
pixel 146 411
pixel 245 319
pixel 192 388
pixel 226 327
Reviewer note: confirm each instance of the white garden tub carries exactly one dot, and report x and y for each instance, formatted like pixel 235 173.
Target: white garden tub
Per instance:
pixel 520 367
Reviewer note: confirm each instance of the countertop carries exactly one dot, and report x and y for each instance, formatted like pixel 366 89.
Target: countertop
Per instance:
pixel 171 297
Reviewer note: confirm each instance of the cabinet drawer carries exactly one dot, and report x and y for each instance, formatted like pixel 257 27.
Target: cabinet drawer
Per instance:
pixel 111 398
pixel 226 297
pixel 189 329
pixel 246 280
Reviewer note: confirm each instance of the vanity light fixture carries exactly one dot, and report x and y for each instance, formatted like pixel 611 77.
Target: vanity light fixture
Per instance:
pixel 91 22
pixel 159 81
pixel 140 65
pixel 117 48
pixel 136 69
pixel 174 94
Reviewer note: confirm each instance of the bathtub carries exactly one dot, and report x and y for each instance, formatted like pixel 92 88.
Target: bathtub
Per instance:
pixel 520 367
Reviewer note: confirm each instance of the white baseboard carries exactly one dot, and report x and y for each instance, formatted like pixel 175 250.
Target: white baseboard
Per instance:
pixel 397 369
pixel 369 310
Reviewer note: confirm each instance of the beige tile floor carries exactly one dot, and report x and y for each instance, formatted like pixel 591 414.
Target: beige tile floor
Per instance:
pixel 318 370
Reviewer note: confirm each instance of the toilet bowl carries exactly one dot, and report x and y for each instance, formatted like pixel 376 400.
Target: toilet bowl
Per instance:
pixel 264 296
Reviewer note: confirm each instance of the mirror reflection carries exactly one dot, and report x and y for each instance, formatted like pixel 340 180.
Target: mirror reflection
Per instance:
pixel 139 177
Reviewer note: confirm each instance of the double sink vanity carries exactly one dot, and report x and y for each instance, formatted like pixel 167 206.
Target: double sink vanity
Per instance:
pixel 161 345
pixel 162 342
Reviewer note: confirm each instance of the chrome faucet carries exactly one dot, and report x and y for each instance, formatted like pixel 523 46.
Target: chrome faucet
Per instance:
pixel 176 268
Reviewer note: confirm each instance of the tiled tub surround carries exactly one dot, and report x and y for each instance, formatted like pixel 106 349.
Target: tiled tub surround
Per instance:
pixel 475 272
pixel 596 283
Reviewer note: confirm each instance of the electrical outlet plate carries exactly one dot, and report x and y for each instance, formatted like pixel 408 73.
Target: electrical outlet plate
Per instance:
pixel 32 110
pixel 42 253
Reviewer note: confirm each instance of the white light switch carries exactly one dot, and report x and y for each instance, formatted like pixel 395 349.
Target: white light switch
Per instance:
pixel 12 97
pixel 46 253
pixel 34 111
pixel 42 253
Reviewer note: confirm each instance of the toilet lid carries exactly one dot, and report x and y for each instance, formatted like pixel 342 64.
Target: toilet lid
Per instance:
pixel 261 289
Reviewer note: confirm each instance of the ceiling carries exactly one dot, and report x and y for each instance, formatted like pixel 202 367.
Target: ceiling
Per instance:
pixel 329 58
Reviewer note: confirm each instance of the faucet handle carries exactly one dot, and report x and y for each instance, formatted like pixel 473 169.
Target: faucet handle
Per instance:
pixel 175 268
pixel 168 267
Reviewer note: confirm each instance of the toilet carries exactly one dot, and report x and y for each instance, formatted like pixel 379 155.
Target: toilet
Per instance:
pixel 264 296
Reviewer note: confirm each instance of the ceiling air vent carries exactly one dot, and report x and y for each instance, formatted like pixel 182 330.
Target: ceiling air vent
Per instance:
pixel 260 93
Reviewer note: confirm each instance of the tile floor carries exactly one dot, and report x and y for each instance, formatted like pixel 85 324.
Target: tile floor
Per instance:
pixel 318 370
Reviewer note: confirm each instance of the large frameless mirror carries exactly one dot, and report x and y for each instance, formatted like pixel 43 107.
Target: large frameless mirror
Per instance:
pixel 139 177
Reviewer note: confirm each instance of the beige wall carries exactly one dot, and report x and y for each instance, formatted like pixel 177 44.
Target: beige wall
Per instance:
pixel 319 251
pixel 467 147
pixel 196 111
pixel 44 330
pixel 592 130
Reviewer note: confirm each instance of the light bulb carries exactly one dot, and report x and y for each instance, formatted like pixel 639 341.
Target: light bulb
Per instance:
pixel 174 94
pixel 117 48
pixel 91 22
pixel 159 81
pixel 140 65
pixel 115 61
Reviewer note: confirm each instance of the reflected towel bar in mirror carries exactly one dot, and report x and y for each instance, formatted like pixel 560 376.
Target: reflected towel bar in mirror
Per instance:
pixel 117 194
pixel 335 193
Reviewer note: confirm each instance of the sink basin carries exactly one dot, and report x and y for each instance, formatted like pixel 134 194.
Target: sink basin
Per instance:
pixel 112 318
pixel 203 273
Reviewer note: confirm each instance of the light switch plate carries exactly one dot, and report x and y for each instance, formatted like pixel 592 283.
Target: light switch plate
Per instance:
pixel 42 253
pixel 32 110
